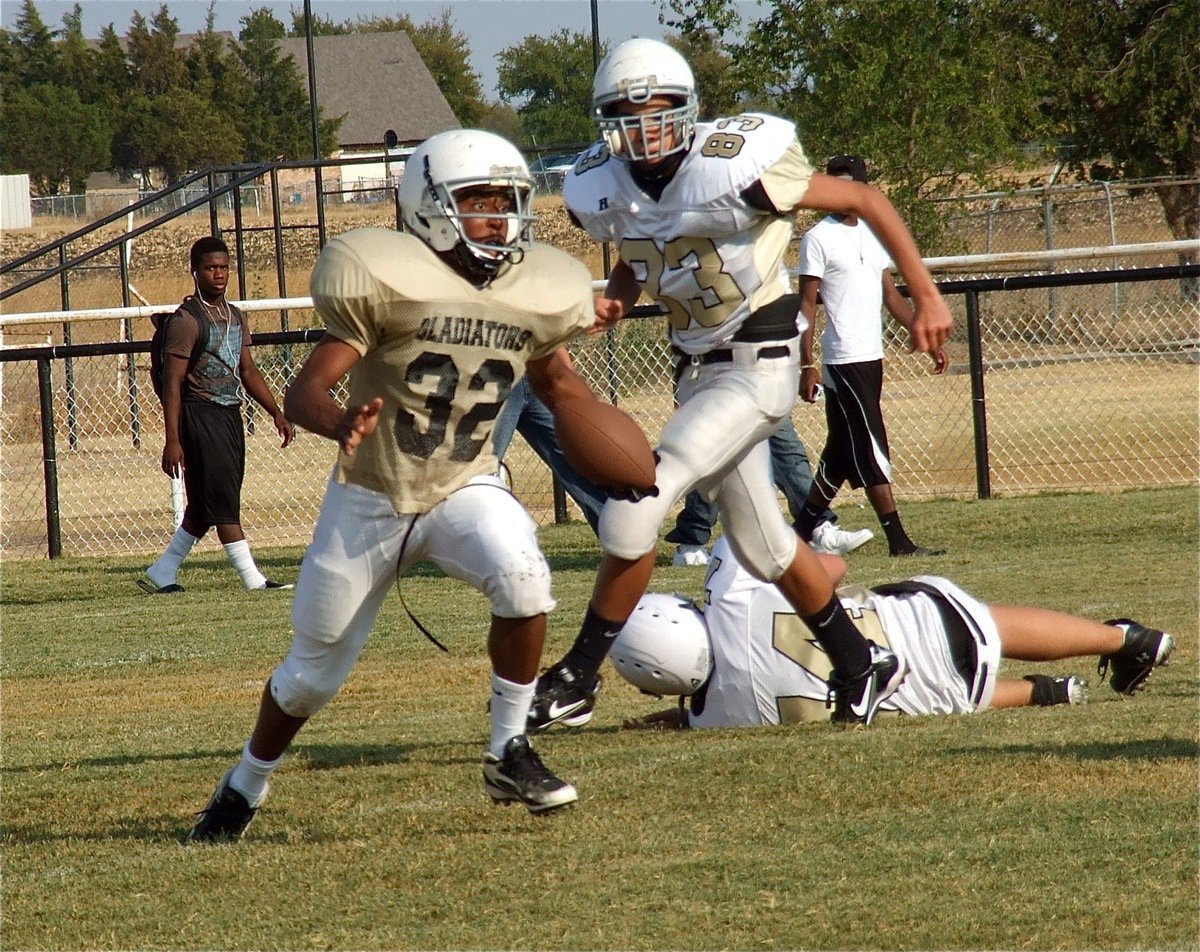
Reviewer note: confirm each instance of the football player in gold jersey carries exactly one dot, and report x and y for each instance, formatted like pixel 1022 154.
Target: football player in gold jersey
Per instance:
pixel 434 328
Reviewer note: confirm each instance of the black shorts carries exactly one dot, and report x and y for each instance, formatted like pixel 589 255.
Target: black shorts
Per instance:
pixel 856 449
pixel 214 462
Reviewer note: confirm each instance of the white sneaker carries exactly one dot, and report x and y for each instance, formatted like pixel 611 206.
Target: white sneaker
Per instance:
pixel 691 555
pixel 830 540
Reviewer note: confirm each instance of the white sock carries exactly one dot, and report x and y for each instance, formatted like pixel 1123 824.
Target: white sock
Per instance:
pixel 252 777
pixel 510 709
pixel 163 572
pixel 243 561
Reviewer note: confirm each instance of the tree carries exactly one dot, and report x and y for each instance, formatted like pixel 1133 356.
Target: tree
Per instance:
pixel 1126 95
pixel 551 80
pixel 214 70
pixel 156 66
pixel 275 122
pixel 177 132
pixel 79 146
pixel 932 92
pixel 35 58
pixel 113 81
pixel 503 120
pixel 77 58
pixel 321 26
pixel 712 67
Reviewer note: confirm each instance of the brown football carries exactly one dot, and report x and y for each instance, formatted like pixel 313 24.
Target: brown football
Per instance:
pixel 604 443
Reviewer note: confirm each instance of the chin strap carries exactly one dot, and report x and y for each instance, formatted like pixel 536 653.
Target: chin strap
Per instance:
pixel 413 618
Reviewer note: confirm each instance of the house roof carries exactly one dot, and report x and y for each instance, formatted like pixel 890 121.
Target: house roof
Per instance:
pixel 379 82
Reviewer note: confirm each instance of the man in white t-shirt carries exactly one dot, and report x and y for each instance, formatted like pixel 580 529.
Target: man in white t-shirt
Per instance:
pixel 745 658
pixel 843 262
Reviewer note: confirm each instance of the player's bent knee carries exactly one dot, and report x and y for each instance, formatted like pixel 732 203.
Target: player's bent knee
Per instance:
pixel 520 589
pixel 300 689
pixel 629 530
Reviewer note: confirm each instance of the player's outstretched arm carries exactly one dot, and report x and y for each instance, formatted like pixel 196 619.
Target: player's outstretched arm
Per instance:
pixel 932 322
pixel 308 402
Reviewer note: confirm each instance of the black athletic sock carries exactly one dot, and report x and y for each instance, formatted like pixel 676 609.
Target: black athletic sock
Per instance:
pixel 592 644
pixel 839 639
pixel 1048 691
pixel 810 518
pixel 893 528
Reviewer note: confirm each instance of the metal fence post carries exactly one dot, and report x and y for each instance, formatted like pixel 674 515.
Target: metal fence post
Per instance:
pixel 280 271
pixel 1051 292
pixel 560 500
pixel 135 410
pixel 983 479
pixel 68 363
pixel 49 458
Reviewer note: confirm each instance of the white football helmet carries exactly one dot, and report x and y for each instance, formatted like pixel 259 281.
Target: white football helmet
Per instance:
pixel 638 70
pixel 449 162
pixel 663 647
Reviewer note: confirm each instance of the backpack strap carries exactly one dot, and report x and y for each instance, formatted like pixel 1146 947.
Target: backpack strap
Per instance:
pixel 193 306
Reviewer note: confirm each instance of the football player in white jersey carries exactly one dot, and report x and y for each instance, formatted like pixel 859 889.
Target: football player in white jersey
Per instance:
pixel 701 215
pixel 434 327
pixel 747 659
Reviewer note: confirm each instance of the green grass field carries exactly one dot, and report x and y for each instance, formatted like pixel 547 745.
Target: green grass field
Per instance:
pixel 1027 829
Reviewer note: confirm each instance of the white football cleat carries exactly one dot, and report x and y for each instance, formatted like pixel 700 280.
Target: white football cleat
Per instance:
pixel 830 540
pixel 691 555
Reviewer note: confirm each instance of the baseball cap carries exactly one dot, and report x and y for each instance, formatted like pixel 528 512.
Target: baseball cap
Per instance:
pixel 852 165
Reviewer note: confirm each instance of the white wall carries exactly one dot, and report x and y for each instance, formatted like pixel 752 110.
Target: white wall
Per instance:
pixel 15 208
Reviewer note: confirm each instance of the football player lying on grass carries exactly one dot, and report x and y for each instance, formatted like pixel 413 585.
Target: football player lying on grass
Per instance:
pixel 748 659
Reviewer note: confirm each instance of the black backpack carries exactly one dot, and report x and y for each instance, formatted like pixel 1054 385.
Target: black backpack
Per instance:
pixel 158 343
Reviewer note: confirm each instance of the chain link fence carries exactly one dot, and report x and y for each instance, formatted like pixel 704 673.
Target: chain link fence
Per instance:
pixel 1080 387
pixel 1095 390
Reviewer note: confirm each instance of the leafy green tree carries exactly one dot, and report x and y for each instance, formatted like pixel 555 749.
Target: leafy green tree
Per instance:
pixel 213 69
pixel 275 122
pixel 79 146
pixel 34 56
pixel 321 26
pixel 156 66
pixel 712 67
pixel 113 81
pixel 932 92
pixel 1126 95
pixel 177 132
pixel 77 58
pixel 550 81
pixel 503 120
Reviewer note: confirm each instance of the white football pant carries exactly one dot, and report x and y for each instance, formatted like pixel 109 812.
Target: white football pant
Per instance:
pixel 480 534
pixel 716 442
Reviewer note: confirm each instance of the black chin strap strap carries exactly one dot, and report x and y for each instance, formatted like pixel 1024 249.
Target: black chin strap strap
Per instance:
pixel 399 560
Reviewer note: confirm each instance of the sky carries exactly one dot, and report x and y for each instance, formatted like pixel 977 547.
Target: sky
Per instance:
pixel 488 25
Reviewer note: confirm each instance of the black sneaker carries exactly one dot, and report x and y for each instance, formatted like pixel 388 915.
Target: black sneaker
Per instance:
pixel 1144 650
pixel 562 696
pixel 225 818
pixel 914 549
pixel 281 586
pixel 521 775
pixel 150 588
pixel 856 700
